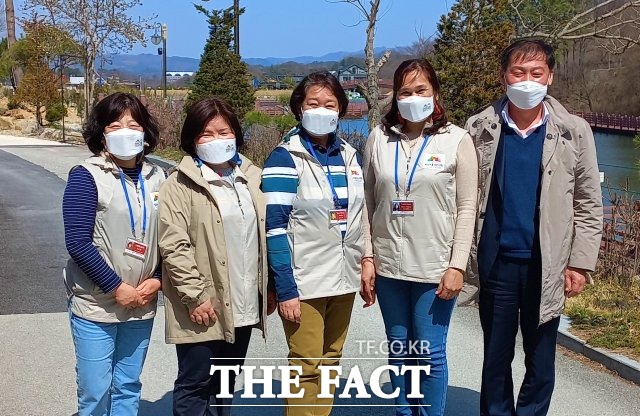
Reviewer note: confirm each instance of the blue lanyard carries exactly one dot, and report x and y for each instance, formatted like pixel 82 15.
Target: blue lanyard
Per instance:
pixel 144 204
pixel 413 171
pixel 329 176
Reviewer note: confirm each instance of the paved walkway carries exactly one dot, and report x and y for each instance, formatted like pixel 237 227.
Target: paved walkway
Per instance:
pixel 37 361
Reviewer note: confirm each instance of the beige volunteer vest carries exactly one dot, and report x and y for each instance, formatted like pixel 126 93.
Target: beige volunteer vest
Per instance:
pixel 324 265
pixel 111 231
pixel 418 247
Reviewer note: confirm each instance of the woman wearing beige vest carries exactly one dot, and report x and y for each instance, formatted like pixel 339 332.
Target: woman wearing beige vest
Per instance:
pixel 112 277
pixel 212 241
pixel 315 202
pixel 420 181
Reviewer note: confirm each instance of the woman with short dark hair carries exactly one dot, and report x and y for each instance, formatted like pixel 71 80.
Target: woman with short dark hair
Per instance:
pixel 112 277
pixel 315 198
pixel 212 240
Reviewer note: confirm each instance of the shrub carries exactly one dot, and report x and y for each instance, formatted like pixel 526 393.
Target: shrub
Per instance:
pixel 170 116
pixel 13 104
pixel 284 123
pixel 256 117
pixel 55 112
pixel 619 259
pixel 356 139
pixel 259 142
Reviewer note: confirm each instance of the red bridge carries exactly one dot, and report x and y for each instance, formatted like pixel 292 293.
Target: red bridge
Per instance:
pixel 619 123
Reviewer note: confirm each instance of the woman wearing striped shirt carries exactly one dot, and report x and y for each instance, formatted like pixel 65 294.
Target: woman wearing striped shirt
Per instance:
pixel 113 276
pixel 315 197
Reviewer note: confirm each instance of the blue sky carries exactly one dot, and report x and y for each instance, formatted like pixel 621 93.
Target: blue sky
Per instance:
pixel 289 28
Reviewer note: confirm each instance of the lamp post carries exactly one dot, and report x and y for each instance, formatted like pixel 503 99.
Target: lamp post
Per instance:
pixel 156 39
pixel 64 138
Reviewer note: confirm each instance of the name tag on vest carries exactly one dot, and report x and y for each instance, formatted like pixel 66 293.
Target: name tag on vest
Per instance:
pixel 135 248
pixel 338 216
pixel 402 207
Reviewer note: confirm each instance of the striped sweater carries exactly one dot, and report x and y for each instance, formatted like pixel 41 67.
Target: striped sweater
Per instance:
pixel 79 206
pixel 280 185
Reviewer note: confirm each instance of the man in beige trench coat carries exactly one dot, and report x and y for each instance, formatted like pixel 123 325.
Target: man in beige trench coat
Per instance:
pixel 538 229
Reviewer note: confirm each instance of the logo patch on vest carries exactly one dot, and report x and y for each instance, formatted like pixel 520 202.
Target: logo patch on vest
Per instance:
pixel 356 174
pixel 155 199
pixel 435 161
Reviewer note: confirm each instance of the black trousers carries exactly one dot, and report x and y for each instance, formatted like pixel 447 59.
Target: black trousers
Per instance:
pixel 195 389
pixel 511 292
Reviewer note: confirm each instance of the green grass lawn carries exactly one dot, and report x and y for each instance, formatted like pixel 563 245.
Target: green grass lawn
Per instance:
pixel 170 154
pixel 607 315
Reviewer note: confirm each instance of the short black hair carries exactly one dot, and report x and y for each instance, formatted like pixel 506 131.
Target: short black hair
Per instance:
pixel 110 109
pixel 200 114
pixel 526 50
pixel 322 79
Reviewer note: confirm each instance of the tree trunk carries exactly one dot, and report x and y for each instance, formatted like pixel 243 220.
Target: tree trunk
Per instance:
pixel 372 74
pixel 39 116
pixel 16 72
pixel 372 89
pixel 89 84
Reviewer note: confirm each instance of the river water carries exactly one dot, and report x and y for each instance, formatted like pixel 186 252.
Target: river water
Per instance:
pixel 618 157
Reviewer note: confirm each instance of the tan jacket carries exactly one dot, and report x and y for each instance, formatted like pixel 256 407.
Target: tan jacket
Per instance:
pixel 570 197
pixel 192 244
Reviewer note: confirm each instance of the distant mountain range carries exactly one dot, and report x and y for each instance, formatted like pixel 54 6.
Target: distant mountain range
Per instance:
pixel 149 64
pixel 330 57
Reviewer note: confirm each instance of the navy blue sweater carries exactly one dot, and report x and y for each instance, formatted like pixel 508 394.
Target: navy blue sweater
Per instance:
pixel 79 206
pixel 520 191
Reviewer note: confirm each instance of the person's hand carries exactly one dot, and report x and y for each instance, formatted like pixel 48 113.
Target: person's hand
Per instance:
pixel 574 281
pixel 127 296
pixel 368 282
pixel 290 310
pixel 148 290
pixel 203 314
pixel 272 302
pixel 450 284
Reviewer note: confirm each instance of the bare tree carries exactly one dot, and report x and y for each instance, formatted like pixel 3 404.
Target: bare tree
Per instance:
pixel 16 71
pixel 371 90
pixel 94 24
pixel 616 23
pixel 421 48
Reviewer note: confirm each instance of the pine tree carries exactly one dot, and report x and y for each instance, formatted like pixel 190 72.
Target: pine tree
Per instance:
pixel 467 55
pixel 222 73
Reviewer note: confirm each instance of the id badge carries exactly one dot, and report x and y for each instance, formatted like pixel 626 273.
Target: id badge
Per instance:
pixel 337 216
pixel 135 248
pixel 402 207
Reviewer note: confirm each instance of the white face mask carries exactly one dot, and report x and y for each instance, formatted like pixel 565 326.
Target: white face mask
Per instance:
pixel 415 108
pixel 526 94
pixel 125 144
pixel 217 151
pixel 320 121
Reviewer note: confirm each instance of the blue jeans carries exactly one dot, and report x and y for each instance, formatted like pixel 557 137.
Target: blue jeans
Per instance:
pixel 416 322
pixel 109 359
